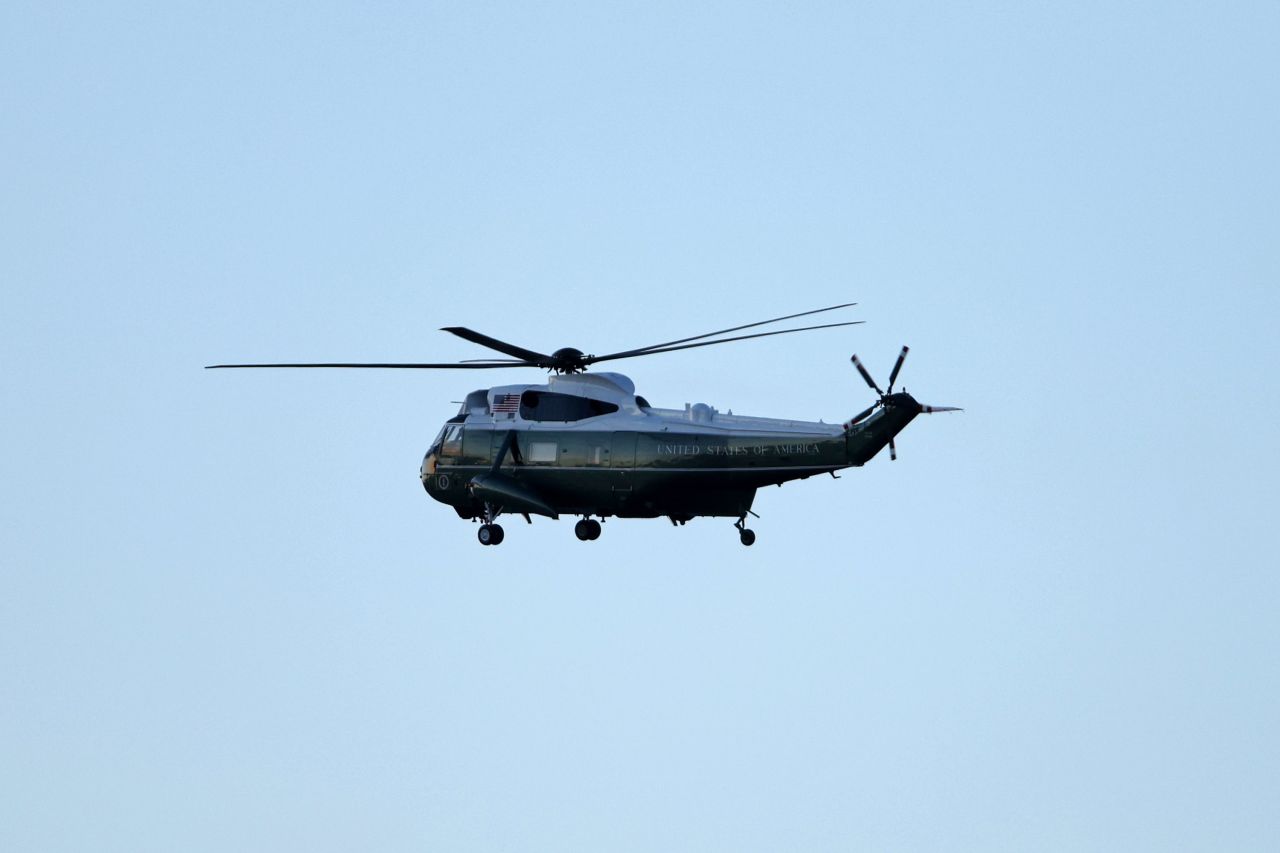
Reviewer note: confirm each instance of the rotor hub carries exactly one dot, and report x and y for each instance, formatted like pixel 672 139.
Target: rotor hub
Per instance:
pixel 567 360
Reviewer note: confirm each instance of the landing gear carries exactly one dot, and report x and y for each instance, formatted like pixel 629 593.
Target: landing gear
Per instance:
pixel 745 535
pixel 587 529
pixel 490 534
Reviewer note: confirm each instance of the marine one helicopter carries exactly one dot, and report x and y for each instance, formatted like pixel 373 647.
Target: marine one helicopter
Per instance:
pixel 585 444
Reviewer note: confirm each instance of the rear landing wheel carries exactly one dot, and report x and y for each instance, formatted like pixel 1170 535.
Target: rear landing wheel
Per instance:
pixel 747 537
pixel 587 529
pixel 489 534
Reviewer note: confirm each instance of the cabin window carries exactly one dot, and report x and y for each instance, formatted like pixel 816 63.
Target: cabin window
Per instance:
pixel 477 446
pixel 542 451
pixel 549 406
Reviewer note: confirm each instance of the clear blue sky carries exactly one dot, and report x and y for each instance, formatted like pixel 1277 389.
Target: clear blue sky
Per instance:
pixel 230 619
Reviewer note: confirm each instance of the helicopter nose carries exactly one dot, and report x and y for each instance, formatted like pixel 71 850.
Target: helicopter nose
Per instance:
pixel 428 468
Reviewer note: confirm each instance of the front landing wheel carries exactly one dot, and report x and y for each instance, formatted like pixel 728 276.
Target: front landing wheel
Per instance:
pixel 489 534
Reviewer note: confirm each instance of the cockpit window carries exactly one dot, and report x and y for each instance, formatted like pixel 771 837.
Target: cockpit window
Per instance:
pixel 451 440
pixel 549 406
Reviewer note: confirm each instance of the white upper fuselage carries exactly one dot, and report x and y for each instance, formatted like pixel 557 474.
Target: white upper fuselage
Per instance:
pixel 618 390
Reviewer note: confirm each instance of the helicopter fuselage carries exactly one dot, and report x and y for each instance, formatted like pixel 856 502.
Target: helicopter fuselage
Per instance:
pixel 587 445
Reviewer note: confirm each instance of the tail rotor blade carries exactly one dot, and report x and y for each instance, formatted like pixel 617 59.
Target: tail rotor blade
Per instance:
pixel 866 376
pixel 929 410
pixel 893 451
pixel 897 365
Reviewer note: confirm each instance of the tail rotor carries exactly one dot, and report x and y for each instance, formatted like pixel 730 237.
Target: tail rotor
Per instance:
pixel 889 399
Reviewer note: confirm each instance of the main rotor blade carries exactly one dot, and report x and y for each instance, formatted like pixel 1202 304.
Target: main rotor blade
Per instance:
pixel 929 410
pixel 858 418
pixel 642 350
pixel 495 344
pixel 897 365
pixel 867 376
pixel 893 451
pixel 593 359
pixel 400 366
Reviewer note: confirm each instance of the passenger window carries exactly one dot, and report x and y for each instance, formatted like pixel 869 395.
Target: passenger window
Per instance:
pixel 542 451
pixel 548 406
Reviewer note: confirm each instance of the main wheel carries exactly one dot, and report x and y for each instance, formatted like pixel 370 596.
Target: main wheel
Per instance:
pixel 583 529
pixel 489 534
pixel 747 537
pixel 594 529
pixel 497 534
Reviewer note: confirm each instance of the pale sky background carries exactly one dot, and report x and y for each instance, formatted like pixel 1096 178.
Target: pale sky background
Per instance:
pixel 232 620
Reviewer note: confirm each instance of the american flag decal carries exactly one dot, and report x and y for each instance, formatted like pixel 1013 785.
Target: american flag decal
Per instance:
pixel 506 403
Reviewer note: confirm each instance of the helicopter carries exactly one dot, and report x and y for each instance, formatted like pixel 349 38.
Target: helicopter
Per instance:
pixel 586 444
